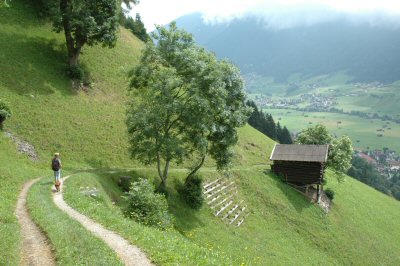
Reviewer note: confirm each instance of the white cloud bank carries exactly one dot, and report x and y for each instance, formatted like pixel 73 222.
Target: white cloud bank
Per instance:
pixel 276 14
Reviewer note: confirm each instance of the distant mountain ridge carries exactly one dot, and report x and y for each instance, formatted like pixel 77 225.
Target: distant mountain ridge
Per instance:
pixel 364 52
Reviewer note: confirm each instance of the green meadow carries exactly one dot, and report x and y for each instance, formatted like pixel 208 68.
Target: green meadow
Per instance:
pixel 88 129
pixel 363 132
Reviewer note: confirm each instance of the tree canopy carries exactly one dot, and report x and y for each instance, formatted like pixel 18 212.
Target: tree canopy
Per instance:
pixel 265 123
pixel 136 26
pixel 185 104
pixel 340 150
pixel 84 22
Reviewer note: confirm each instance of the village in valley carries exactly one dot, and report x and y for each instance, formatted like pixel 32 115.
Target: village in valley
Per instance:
pixel 385 161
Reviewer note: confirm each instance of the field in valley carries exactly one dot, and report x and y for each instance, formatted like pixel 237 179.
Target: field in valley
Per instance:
pixel 363 132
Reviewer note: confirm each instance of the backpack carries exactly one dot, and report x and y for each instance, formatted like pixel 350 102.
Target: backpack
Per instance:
pixel 55 164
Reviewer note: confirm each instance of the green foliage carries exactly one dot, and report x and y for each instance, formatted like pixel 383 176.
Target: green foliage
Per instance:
pixel 340 154
pixel 125 183
pixel 265 123
pixel 316 135
pixel 85 22
pixel 136 26
pixel 184 104
pixel 147 207
pixel 192 192
pixel 176 247
pixel 89 22
pixel 340 150
pixel 79 73
pixel 5 112
pixel 365 172
pixel 283 134
pixel 75 72
pixel 330 193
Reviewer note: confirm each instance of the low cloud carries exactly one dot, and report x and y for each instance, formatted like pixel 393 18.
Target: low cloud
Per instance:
pixel 277 15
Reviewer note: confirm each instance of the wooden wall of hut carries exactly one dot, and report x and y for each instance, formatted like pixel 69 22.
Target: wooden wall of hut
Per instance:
pixel 301 173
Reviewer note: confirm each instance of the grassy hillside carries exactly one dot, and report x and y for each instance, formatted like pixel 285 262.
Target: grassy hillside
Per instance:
pixel 88 130
pixel 15 169
pixel 283 227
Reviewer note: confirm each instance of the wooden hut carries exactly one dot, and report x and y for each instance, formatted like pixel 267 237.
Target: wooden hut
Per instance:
pixel 301 165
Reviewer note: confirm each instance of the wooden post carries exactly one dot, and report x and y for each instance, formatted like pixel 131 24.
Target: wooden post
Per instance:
pixel 318 193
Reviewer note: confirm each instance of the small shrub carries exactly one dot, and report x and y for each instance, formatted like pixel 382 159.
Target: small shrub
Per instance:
pixel 162 189
pixel 5 113
pixel 147 207
pixel 76 72
pixel 330 193
pixel 192 192
pixel 125 182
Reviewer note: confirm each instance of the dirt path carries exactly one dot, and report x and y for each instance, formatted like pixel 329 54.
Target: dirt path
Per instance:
pixel 36 249
pixel 129 254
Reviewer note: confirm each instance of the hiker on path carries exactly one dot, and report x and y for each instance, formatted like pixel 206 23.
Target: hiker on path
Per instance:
pixel 56 166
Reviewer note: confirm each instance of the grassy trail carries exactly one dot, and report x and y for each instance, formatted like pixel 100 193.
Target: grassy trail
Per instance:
pixel 129 254
pixel 36 249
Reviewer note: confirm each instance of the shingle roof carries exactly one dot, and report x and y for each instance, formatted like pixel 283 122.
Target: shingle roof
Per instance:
pixel 300 153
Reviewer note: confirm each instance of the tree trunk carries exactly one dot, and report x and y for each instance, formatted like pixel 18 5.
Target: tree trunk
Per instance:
pixel 73 45
pixel 73 58
pixel 162 188
pixel 163 174
pixel 194 171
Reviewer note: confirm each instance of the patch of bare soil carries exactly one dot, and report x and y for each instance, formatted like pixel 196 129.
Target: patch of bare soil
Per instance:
pixel 36 249
pixel 23 146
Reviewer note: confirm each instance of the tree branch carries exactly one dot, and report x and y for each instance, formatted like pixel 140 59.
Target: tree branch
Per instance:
pixel 196 168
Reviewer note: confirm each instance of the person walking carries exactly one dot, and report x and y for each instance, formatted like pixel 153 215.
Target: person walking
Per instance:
pixel 56 166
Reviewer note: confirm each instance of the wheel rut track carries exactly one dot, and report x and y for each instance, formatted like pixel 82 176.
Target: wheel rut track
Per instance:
pixel 128 253
pixel 36 248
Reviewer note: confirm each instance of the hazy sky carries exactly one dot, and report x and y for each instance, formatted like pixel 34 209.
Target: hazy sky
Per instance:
pixel 274 13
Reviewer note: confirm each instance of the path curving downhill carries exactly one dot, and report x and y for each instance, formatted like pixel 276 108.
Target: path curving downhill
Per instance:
pixel 36 249
pixel 129 254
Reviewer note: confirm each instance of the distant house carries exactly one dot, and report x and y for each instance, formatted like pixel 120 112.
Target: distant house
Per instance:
pixel 367 158
pixel 301 165
pixel 394 165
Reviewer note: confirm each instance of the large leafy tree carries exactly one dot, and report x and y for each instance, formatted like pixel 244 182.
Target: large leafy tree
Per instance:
pixel 85 22
pixel 340 149
pixel 185 104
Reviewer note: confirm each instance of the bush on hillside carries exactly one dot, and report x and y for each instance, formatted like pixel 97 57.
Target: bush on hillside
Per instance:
pixel 330 193
pixel 192 192
pixel 5 113
pixel 147 207
pixel 125 183
pixel 75 72
pixel 79 73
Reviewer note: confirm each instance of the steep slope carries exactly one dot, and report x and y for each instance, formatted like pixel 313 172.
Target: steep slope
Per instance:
pixel 282 228
pixel 89 131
